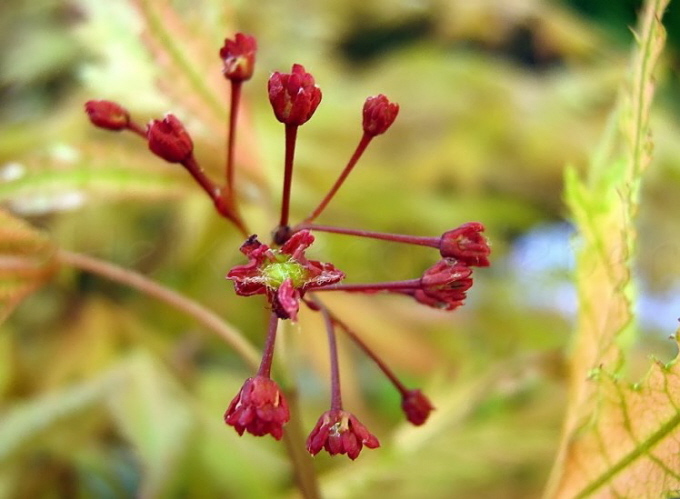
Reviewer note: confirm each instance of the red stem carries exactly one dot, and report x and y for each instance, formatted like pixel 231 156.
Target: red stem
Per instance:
pixel 222 202
pixel 361 147
pixel 315 304
pixel 268 354
pixel 378 286
pixel 432 242
pixel 137 128
pixel 291 136
pixel 199 175
pixel 231 140
pixel 336 395
pixel 383 367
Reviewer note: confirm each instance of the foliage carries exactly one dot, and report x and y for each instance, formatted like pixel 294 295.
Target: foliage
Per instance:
pixel 106 391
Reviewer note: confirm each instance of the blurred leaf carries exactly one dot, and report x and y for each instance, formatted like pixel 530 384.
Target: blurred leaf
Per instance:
pixel 186 59
pixel 630 449
pixel 65 177
pixel 155 416
pixel 610 435
pixel 26 261
pixel 24 423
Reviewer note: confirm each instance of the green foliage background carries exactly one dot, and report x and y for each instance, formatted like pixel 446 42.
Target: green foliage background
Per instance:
pixel 105 392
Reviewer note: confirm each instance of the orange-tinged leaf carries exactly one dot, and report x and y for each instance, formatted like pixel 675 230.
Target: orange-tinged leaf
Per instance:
pixel 631 447
pixel 617 441
pixel 26 261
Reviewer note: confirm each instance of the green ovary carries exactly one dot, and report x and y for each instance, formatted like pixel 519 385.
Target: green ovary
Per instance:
pixel 276 273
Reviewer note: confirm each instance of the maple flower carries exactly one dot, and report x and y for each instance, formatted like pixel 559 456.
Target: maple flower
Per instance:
pixel 107 114
pixel 169 139
pixel 444 284
pixel 294 96
pixel 416 406
pixel 238 56
pixel 283 275
pixel 378 115
pixel 466 244
pixel 259 408
pixel 282 272
pixel 340 432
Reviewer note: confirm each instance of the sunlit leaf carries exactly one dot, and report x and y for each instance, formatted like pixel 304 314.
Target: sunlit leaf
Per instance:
pixel 67 177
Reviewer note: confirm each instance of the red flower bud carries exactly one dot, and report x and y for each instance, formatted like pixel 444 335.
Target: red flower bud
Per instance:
pixel 294 97
pixel 340 432
pixel 466 244
pixel 169 140
pixel 416 406
pixel 444 284
pixel 107 114
pixel 379 114
pixel 238 56
pixel 259 408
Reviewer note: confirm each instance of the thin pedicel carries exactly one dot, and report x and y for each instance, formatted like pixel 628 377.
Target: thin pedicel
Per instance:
pixel 280 270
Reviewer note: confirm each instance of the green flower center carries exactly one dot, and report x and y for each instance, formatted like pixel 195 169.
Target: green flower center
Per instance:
pixel 282 269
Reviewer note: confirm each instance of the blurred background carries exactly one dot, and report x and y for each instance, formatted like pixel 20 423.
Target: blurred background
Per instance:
pixel 113 394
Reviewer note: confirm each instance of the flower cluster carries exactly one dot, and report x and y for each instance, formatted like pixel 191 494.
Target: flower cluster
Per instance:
pixel 281 271
pixel 283 274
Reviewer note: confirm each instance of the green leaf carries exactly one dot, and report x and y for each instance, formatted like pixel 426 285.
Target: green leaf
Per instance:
pixel 26 261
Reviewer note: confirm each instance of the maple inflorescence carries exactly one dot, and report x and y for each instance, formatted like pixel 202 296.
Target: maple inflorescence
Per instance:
pixel 281 271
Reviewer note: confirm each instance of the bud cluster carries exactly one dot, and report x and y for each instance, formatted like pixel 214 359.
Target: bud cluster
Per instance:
pixel 281 272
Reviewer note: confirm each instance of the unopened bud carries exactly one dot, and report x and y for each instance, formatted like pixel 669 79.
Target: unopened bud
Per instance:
pixel 294 96
pixel 169 140
pixel 466 244
pixel 238 56
pixel 379 114
pixel 107 114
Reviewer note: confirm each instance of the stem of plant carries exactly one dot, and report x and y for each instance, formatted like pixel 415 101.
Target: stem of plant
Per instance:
pixel 268 353
pixel 372 287
pixel 336 396
pixel 358 152
pixel 209 319
pixel 137 128
pixel 195 170
pixel 293 437
pixel 231 140
pixel 378 361
pixel 221 199
pixel 432 242
pixel 291 137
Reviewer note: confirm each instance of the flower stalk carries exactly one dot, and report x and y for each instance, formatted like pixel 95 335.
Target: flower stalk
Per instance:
pixel 231 139
pixel 238 58
pixel 415 405
pixel 291 137
pixel 378 116
pixel 268 351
